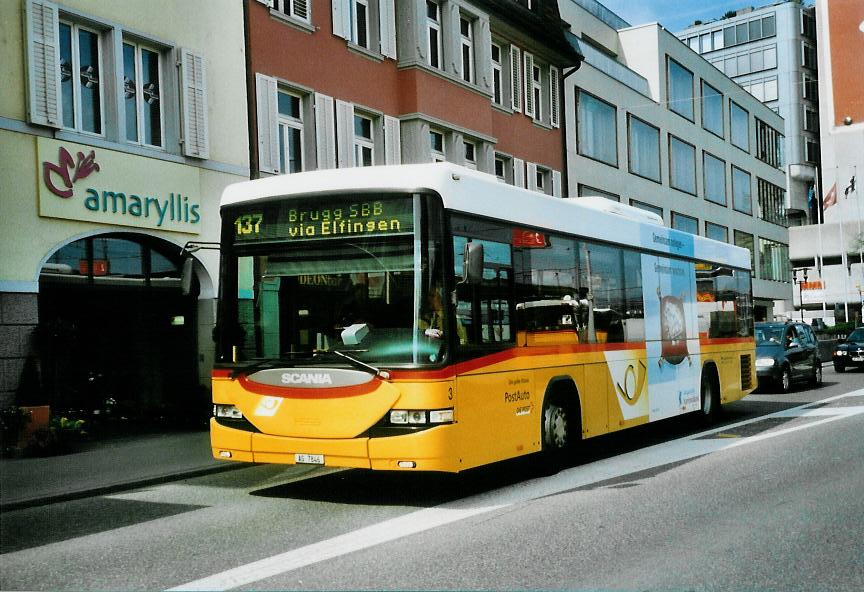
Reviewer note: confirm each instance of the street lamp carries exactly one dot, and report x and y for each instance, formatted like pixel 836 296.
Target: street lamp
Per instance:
pixel 801 283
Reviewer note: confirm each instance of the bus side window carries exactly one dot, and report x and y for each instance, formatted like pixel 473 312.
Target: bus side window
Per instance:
pixel 484 310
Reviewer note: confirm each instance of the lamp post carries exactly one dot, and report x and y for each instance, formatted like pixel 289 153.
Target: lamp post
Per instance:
pixel 801 283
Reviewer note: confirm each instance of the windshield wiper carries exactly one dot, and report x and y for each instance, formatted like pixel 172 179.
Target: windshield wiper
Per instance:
pixel 264 363
pixel 361 365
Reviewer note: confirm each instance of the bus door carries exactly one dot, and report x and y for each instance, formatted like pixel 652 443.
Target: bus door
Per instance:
pixel 495 399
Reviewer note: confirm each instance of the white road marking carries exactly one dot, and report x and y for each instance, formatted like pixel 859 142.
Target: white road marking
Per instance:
pixel 639 460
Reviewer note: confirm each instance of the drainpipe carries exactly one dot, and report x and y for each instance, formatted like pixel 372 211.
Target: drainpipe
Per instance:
pixel 251 116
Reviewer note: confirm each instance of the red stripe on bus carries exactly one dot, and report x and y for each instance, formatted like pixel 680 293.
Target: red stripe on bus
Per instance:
pixel 309 393
pixel 509 354
pixel 220 373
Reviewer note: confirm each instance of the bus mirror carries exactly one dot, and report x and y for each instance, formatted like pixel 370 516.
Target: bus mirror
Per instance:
pixel 186 276
pixel 472 263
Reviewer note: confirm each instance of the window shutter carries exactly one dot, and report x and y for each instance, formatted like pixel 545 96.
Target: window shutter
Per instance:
pixel 267 3
pixel 516 77
pixel 529 91
pixel 518 172
pixel 196 141
pixel 43 63
pixel 267 109
pixel 301 9
pixel 532 176
pixel 556 183
pixel 325 132
pixel 341 19
pixel 344 134
pixel 392 141
pixel 554 100
pixel 387 27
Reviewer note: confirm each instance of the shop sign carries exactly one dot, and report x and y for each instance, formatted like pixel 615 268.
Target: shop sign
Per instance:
pixel 78 182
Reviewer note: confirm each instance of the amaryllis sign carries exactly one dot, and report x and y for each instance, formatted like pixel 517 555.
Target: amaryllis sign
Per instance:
pixel 109 187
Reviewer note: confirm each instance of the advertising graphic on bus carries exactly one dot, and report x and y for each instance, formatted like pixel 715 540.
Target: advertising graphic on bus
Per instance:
pixel 429 317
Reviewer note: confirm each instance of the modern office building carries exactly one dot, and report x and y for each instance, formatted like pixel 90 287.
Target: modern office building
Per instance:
pixel 342 83
pixel 832 252
pixel 771 53
pixel 650 123
pixel 120 124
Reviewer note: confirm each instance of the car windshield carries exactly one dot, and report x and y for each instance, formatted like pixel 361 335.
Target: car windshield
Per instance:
pixel 856 335
pixel 768 335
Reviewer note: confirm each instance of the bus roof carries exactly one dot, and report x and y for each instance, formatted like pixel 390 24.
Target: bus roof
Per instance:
pixel 473 192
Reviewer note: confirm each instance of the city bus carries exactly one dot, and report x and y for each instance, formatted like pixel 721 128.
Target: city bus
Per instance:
pixel 432 318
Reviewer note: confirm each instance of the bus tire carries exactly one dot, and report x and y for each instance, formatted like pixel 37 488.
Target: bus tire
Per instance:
pixel 561 423
pixel 709 391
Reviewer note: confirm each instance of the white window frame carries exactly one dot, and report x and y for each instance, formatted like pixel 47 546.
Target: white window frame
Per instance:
pixel 434 25
pixel 76 68
pixel 466 43
pixel 436 155
pixel 497 74
pixel 355 23
pixel 139 95
pixel 286 122
pixel 470 159
pixel 363 143
pixel 537 91
pixel 290 8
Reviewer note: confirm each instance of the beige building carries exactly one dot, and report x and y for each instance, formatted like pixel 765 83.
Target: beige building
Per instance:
pixel 120 125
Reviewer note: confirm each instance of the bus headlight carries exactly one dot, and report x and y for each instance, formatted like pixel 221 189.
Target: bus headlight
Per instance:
pixel 227 411
pixel 420 417
pixel 764 362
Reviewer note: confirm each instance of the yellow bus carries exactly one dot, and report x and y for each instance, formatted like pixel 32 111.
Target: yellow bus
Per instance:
pixel 431 318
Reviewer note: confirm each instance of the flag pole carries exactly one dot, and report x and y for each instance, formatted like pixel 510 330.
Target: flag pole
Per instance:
pixel 843 249
pixel 820 218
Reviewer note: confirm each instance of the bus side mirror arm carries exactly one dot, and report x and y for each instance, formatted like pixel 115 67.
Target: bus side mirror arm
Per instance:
pixel 188 270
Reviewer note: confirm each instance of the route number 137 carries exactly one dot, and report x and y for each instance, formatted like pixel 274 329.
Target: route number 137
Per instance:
pixel 248 224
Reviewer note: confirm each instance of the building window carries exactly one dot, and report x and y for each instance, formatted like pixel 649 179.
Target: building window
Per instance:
pixel 742 199
pixel 364 144
pixel 80 78
pixel 716 232
pixel 740 126
pixel 714 171
pixel 597 126
pixel 647 207
pixel 433 33
pixel 644 149
pixel 685 223
pixel 769 144
pixel 811 120
pixel 808 56
pixel 745 240
pixel 503 165
pixel 812 153
pixel 772 202
pixel 808 25
pixel 466 43
pixel 774 261
pixel 290 125
pixel 682 165
pixel 712 109
pixel 142 92
pixel 359 16
pixel 298 9
pixel 436 145
pixel 470 155
pixel 680 89
pixel 497 75
pixel 809 87
pixel 585 191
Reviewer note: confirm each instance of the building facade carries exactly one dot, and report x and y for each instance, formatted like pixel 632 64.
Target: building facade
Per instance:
pixel 652 124
pixel 771 53
pixel 476 83
pixel 120 124
pixel 832 251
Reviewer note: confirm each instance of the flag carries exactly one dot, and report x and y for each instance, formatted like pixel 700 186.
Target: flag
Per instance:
pixel 850 188
pixel 811 195
pixel 831 198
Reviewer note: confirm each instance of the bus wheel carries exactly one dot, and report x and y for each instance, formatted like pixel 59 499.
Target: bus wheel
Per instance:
pixel 710 395
pixel 556 427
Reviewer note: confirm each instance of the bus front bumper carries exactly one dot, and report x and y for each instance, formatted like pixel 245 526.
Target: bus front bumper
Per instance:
pixel 429 450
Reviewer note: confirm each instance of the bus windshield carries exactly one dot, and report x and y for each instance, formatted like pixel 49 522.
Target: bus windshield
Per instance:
pixel 348 277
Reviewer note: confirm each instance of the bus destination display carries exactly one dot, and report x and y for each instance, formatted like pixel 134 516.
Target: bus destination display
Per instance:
pixel 304 220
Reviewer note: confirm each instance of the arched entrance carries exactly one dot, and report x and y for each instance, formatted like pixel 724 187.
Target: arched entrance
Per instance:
pixel 119 340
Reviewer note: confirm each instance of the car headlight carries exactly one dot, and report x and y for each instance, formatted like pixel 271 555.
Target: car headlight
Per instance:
pixel 227 411
pixel 421 417
pixel 764 362
pixel 841 352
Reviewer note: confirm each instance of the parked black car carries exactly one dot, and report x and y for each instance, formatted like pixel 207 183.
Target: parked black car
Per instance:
pixel 786 352
pixel 850 352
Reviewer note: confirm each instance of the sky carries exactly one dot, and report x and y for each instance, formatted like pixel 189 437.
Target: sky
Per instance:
pixel 676 15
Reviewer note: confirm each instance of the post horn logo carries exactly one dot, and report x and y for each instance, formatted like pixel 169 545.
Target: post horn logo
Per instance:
pixel 68 171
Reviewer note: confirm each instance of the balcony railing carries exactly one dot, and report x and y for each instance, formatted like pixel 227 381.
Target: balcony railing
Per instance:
pixel 602 13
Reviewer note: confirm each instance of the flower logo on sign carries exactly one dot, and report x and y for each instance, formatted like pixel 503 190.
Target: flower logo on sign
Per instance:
pixel 67 171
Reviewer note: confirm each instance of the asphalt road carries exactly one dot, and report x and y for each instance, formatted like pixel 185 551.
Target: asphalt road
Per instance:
pixel 769 500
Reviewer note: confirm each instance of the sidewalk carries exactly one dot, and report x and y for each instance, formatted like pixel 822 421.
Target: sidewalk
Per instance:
pixel 110 465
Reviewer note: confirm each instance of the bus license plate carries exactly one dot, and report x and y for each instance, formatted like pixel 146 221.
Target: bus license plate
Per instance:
pixel 309 459
pixel 858 359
